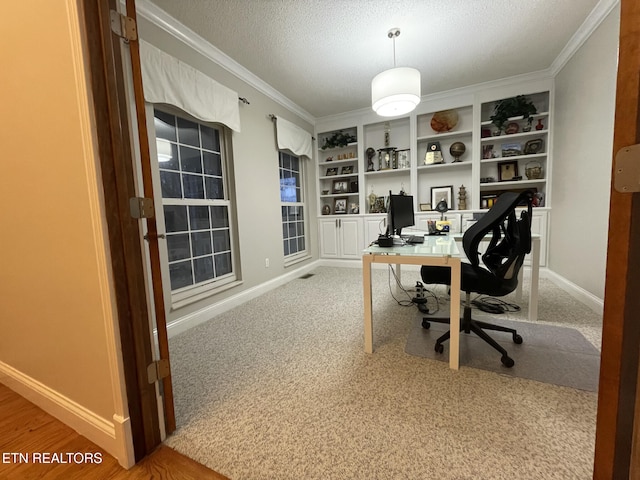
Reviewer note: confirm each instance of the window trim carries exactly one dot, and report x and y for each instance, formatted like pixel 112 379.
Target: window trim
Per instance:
pixel 304 254
pixel 183 296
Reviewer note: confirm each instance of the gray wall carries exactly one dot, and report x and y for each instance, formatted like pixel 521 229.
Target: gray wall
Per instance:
pixel 583 142
pixel 255 160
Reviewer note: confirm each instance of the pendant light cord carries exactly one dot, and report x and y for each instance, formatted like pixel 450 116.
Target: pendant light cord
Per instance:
pixel 392 34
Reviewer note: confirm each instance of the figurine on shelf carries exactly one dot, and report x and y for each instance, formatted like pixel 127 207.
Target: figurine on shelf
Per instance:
pixel 462 198
pixel 370 154
pixel 372 201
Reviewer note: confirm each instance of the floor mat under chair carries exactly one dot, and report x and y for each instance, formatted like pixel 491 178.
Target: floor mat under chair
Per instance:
pixel 549 353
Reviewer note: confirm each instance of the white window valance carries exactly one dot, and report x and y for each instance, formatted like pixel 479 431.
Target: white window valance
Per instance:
pixel 292 137
pixel 167 80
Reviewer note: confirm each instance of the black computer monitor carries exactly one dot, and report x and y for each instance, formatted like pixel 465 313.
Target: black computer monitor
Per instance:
pixel 400 213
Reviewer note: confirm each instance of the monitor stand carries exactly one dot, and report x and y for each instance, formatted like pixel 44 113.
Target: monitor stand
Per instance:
pixel 398 240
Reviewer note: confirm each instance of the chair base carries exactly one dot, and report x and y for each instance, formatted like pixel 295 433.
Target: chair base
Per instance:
pixel 468 325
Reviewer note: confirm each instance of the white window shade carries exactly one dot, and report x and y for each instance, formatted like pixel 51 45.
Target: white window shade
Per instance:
pixel 293 138
pixel 167 80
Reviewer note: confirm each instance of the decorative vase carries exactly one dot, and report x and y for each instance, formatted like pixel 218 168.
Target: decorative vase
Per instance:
pixel 533 170
pixel 539 126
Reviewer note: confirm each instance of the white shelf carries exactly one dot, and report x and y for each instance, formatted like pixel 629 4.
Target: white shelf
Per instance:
pixel 507 185
pixel 390 171
pixel 345 194
pixel 445 166
pixel 339 176
pixel 506 138
pixel 335 149
pixel 437 136
pixel 515 119
pixel 517 157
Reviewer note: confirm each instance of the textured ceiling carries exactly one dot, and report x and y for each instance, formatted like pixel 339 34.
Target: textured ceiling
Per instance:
pixel 322 54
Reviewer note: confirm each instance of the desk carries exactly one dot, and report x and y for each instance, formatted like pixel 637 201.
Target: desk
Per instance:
pixel 439 250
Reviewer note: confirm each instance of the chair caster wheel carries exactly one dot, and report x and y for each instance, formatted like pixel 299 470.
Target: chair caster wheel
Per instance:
pixel 517 339
pixel 425 324
pixel 439 348
pixel 507 361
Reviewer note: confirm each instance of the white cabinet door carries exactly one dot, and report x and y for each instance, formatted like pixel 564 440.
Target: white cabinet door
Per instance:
pixel 374 226
pixel 328 232
pixel 350 237
pixel 341 237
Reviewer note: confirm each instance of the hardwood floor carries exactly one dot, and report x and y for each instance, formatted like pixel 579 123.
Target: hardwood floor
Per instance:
pixel 26 429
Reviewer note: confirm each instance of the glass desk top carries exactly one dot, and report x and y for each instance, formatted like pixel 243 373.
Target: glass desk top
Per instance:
pixel 434 245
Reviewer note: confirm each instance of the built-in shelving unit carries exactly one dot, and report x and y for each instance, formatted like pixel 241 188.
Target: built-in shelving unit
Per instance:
pixel 338 177
pixel 515 158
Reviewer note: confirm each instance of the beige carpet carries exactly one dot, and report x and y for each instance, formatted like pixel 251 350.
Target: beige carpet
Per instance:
pixel 280 388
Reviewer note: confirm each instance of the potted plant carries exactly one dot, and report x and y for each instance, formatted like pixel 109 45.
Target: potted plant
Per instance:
pixel 338 139
pixel 518 106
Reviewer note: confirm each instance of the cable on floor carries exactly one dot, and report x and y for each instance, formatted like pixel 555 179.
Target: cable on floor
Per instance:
pixel 494 305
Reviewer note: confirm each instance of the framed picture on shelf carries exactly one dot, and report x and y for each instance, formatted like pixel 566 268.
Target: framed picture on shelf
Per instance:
pixel 425 207
pixel 340 186
pixel 533 146
pixel 332 171
pixel 511 149
pixel 346 170
pixel 442 193
pixel 488 199
pixel 487 152
pixel 340 205
pixel 507 171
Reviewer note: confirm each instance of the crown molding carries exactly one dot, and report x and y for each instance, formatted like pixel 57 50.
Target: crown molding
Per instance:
pixel 163 20
pixel 593 21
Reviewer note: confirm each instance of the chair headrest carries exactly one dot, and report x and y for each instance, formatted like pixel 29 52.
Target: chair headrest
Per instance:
pixel 492 220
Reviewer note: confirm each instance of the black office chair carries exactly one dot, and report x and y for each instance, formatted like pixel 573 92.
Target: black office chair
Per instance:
pixel 504 256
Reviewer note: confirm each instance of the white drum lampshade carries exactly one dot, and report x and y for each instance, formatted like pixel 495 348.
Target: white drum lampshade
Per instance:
pixel 395 91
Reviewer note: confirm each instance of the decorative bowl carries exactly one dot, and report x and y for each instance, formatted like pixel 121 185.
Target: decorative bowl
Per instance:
pixel 533 170
pixel 444 120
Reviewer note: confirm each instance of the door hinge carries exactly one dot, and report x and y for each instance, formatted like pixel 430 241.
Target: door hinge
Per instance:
pixel 627 170
pixel 123 26
pixel 158 370
pixel 141 207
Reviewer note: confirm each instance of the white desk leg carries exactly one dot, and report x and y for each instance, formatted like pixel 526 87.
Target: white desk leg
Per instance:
pixel 454 313
pixel 535 274
pixel 368 308
pixel 519 287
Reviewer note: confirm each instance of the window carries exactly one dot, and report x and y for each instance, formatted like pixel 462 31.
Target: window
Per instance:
pixel 292 206
pixel 195 202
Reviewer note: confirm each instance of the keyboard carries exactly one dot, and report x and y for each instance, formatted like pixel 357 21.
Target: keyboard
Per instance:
pixel 415 239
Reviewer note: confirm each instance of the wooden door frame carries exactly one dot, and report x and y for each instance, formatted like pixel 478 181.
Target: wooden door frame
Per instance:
pixel 118 177
pixel 617 394
pixel 615 451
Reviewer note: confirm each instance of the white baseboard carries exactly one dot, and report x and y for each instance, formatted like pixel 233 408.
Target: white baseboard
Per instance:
pixel 589 299
pixel 336 262
pixel 196 318
pixel 113 436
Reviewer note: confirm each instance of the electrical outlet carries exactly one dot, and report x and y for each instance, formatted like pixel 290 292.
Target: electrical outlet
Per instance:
pixel 266 263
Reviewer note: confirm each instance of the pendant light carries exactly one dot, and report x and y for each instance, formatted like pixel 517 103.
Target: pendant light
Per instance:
pixel 395 91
